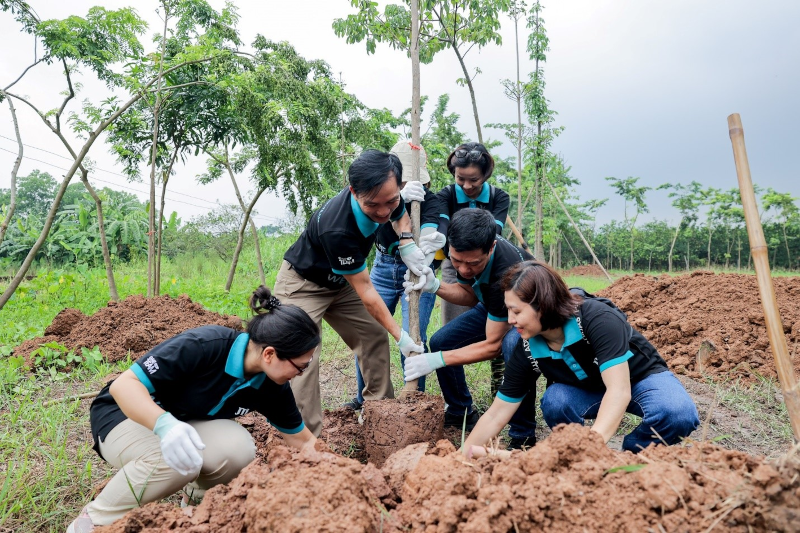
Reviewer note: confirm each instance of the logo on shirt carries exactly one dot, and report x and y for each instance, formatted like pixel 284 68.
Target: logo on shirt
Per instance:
pixel 580 327
pixel 346 260
pixel 151 365
pixel 534 364
pixel 333 278
pixel 241 411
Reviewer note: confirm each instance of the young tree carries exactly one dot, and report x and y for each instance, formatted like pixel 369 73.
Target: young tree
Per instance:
pixel 12 200
pixel 685 199
pixel 634 195
pixel 787 211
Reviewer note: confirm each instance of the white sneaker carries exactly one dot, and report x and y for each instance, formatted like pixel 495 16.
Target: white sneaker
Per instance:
pixel 82 524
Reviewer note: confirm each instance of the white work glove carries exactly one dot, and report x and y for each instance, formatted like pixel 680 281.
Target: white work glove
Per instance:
pixel 428 282
pixel 180 443
pixel 422 365
pixel 413 258
pixel 413 191
pixel 432 242
pixel 407 344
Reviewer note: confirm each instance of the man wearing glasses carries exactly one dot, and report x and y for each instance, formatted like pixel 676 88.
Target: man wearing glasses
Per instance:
pixel 481 258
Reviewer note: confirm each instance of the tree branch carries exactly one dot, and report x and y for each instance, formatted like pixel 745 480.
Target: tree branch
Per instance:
pixel 45 58
pixel 69 97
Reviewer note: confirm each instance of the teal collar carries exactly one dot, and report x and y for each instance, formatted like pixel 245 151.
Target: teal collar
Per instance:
pixel 483 278
pixel 234 366
pixel 365 224
pixel 572 334
pixel 483 197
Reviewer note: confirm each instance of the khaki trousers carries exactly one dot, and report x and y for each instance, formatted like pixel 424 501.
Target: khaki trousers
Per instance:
pixel 144 477
pixel 346 314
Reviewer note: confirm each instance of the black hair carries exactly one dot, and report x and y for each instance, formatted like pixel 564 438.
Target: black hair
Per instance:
pixel 485 162
pixel 287 328
pixel 372 169
pixel 471 229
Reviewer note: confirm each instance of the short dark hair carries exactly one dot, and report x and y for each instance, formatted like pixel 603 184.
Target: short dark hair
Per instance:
pixel 544 290
pixel 471 229
pixel 372 169
pixel 287 328
pixel 485 162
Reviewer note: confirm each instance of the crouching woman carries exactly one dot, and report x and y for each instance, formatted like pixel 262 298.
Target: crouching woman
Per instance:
pixel 166 422
pixel 596 364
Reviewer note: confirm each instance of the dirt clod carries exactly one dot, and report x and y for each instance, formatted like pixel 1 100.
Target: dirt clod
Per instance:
pixel 391 425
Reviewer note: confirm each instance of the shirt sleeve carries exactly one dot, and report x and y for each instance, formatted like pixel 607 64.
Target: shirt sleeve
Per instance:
pixel 496 305
pixel 609 335
pixel 444 215
pixel 398 213
pixel 500 209
pixel 281 410
pixel 519 376
pixel 343 253
pixel 174 359
pixel 430 211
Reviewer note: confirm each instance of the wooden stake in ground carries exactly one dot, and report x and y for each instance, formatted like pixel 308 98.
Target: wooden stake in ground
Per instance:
pixel 413 298
pixel 758 248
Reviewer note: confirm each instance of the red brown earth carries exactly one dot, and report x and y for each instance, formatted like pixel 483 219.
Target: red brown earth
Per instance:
pixel 677 314
pixel 133 325
pixel 570 482
pixel 585 270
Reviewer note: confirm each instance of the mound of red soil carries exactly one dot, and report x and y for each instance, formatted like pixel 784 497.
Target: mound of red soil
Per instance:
pixel 570 482
pixel 677 314
pixel 134 325
pixel 585 270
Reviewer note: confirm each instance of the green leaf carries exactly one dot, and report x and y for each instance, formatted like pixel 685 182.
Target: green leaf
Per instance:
pixel 625 468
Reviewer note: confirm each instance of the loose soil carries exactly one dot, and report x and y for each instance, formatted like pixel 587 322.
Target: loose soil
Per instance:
pixel 678 314
pixel 391 425
pixel 570 482
pixel 585 270
pixel 132 326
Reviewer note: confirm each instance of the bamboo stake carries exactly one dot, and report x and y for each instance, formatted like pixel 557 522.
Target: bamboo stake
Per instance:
pixel 71 398
pixel 759 252
pixel 517 233
pixel 413 298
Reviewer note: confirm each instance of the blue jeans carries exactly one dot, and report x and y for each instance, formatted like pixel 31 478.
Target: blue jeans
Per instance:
pixel 464 330
pixel 659 399
pixel 387 276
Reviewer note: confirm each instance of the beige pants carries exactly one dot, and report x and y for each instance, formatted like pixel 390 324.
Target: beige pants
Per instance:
pixel 346 314
pixel 144 477
pixel 450 311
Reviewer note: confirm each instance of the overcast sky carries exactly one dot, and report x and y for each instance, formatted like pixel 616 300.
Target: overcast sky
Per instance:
pixel 642 88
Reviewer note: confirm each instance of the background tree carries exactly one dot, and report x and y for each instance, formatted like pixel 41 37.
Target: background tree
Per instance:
pixel 685 199
pixel 633 195
pixel 784 205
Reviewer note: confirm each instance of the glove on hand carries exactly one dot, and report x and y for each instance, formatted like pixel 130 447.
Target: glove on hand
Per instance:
pixel 413 258
pixel 180 443
pixel 431 242
pixel 422 365
pixel 428 282
pixel 407 344
pixel 413 191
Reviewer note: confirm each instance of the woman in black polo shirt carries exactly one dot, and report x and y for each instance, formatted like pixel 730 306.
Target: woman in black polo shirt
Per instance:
pixel 597 366
pixel 166 422
pixel 471 165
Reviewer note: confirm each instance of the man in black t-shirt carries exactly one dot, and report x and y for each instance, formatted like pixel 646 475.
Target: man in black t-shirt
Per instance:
pixel 481 258
pixel 325 273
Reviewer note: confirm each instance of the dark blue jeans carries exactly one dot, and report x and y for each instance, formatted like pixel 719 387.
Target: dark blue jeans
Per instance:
pixel 387 276
pixel 660 399
pixel 464 330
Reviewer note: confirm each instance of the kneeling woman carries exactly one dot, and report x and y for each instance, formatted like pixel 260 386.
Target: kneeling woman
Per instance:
pixel 166 423
pixel 596 364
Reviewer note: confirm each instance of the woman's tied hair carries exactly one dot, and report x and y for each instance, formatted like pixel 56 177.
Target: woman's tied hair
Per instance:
pixel 287 328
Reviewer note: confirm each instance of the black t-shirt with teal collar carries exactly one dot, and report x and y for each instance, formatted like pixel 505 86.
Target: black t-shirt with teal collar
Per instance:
pixel 336 241
pixel 387 240
pixel 199 375
pixel 486 285
pixel 491 198
pixel 598 338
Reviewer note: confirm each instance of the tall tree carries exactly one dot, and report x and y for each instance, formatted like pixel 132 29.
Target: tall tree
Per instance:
pixel 633 195
pixel 12 201
pixel 459 25
pixel 786 208
pixel 686 199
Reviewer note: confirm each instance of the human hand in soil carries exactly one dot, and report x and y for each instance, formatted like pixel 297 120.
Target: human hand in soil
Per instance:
pixel 422 365
pixel 474 451
pixel 180 444
pixel 427 282
pixel 407 344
